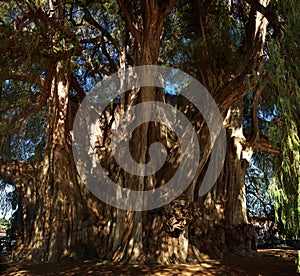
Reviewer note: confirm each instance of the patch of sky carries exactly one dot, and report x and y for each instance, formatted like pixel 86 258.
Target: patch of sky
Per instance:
pixel 171 87
pixel 6 208
pixel 268 115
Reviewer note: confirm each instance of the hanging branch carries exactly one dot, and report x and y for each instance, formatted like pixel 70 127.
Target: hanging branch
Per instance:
pixel 258 141
pixel 90 19
pixel 26 111
pixel 263 144
pixel 254 110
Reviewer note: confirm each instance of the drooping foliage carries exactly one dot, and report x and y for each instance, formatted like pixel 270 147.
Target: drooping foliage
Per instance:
pixel 284 82
pixel 285 76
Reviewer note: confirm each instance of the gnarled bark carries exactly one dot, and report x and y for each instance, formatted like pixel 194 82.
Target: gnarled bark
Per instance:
pixel 221 229
pixel 57 200
pixel 66 222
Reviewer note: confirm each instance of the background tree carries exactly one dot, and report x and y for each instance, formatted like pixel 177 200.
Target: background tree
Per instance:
pixel 285 83
pixel 259 179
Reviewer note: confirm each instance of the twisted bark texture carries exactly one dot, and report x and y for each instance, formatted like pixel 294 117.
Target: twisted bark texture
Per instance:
pixel 62 221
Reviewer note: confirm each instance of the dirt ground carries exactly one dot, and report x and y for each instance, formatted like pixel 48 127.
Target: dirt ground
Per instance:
pixel 268 262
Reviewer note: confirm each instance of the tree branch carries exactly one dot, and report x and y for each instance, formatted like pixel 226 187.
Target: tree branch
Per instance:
pixel 235 89
pixel 263 144
pixel 128 18
pixel 113 67
pixel 269 12
pixel 90 19
pixel 17 172
pixel 258 197
pixel 40 14
pixel 75 84
pixel 232 91
pixel 254 110
pixel 167 7
pixel 24 77
pixel 25 112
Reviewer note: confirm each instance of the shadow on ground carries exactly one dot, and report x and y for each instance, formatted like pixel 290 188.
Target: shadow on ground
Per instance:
pixel 268 262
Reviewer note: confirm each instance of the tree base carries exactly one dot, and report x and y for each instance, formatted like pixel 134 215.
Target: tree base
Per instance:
pixel 222 242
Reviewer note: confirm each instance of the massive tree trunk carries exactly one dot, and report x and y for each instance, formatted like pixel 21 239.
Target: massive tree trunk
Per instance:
pixel 56 211
pixel 140 235
pixel 60 213
pixel 63 221
pixel 221 229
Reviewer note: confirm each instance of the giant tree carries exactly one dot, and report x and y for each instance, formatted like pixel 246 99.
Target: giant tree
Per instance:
pixel 55 51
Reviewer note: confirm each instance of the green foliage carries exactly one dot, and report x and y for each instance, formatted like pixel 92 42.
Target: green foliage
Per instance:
pixel 285 68
pixel 20 139
pixel 204 39
pixel 4 222
pixel 280 102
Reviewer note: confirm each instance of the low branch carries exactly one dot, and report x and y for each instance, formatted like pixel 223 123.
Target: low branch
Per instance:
pixel 17 172
pixel 263 144
pixel 24 77
pixel 259 198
